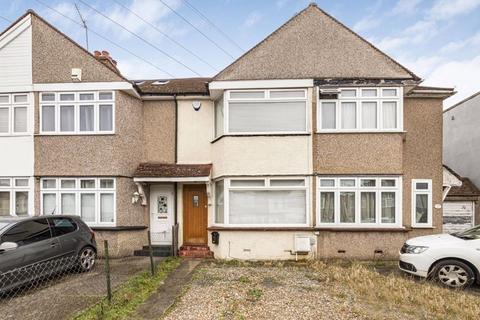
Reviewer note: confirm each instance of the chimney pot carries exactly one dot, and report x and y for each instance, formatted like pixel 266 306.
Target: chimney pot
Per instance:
pixel 105 53
pixel 97 53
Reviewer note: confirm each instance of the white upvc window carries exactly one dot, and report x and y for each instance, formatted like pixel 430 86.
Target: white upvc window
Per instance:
pixel 15 113
pixel 422 203
pixel 378 109
pixel 77 113
pixel 262 202
pixel 93 199
pixel 359 201
pixel 16 196
pixel 275 111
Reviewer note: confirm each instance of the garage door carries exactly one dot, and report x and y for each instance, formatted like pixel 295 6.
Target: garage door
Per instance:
pixel 457 216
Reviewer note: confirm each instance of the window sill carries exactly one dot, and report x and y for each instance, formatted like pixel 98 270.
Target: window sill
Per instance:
pixel 359 132
pixel 423 227
pixel 363 229
pixel 219 228
pixel 261 135
pixel 74 134
pixel 118 228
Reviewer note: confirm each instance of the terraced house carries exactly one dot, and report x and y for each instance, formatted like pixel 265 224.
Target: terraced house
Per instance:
pixel 314 143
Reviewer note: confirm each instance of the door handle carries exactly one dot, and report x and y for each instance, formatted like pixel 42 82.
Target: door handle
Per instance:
pixel 53 245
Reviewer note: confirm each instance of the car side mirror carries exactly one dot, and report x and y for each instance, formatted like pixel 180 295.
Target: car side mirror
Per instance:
pixel 8 246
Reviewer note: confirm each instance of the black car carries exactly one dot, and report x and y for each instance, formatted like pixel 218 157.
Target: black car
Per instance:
pixel 37 247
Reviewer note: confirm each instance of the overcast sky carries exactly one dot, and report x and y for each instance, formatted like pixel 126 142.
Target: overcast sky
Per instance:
pixel 439 40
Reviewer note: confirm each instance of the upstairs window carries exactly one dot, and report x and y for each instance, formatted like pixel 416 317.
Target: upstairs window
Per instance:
pixel 263 111
pixel 77 112
pixel 14 113
pixel 361 109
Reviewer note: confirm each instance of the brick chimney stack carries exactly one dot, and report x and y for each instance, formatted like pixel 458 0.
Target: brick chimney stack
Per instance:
pixel 105 58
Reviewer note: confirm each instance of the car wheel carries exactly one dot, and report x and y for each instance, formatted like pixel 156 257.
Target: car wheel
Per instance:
pixel 86 259
pixel 454 274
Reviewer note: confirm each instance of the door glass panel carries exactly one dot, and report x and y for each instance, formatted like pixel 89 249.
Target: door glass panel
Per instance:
pixel 196 201
pixel 162 204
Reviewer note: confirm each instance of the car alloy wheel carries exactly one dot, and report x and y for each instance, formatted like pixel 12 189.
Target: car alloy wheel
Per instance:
pixel 453 276
pixel 87 259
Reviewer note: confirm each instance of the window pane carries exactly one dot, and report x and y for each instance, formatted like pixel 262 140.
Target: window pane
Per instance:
pixel 86 96
pixel 4 182
pixel 20 98
pixel 87 184
pixel 28 232
pixel 48 96
pixel 67 118
pixel 369 92
pixel 105 96
pixel 21 203
pixel 287 94
pixel 388 183
pixel 347 207
pixel 67 97
pixel 49 203
pixel 287 183
pixel 68 203
pixel 327 182
pixel 62 226
pixel 106 117
pixel 86 118
pixel 267 116
pixel 369 115
pixel 20 121
pixel 67 184
pixel 368 207
pixel 421 208
pixel 247 183
pixel 106 183
pixel 367 182
pixel 48 118
pixel 4 99
pixel 87 207
pixel 21 182
pixel 389 92
pixel 49 184
pixel 389 110
pixel 219 117
pixel 247 94
pixel 348 93
pixel 328 115
pixel 106 207
pixel 219 202
pixel 349 115
pixel 347 182
pixel 4 203
pixel 327 207
pixel 4 121
pixel 268 207
pixel 421 185
pixel 388 207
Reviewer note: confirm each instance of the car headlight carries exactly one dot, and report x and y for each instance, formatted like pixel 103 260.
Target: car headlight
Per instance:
pixel 414 249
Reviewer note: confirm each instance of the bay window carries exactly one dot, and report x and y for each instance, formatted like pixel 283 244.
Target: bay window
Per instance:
pixel 360 109
pixel 14 113
pixel 93 199
pixel 77 113
pixel 262 201
pixel 359 201
pixel 421 203
pixel 261 111
pixel 15 196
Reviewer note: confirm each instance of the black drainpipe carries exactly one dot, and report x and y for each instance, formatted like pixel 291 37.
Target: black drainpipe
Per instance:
pixel 176 159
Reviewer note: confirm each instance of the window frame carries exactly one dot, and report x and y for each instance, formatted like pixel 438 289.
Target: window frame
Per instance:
pixel 429 193
pixel 226 108
pixel 76 103
pixel 12 189
pixel 379 99
pixel 358 190
pixel 11 105
pixel 226 199
pixel 78 191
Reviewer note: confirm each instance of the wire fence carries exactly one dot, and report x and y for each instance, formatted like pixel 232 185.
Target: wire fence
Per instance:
pixel 62 287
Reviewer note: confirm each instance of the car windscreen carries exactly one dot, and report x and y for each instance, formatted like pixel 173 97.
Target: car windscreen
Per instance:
pixel 473 233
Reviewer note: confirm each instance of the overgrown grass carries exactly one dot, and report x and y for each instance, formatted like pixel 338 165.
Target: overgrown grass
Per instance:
pixel 425 300
pixel 130 295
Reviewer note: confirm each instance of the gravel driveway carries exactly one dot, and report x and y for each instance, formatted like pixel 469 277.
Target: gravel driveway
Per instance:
pixel 71 293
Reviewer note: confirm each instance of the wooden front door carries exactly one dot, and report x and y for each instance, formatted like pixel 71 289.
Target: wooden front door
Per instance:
pixel 195 211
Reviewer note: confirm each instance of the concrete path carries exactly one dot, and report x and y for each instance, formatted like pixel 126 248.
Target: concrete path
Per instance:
pixel 166 294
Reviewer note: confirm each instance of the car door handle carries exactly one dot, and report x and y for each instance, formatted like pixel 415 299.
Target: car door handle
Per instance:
pixel 53 245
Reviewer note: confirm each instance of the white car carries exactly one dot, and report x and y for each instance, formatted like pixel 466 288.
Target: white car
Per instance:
pixel 451 259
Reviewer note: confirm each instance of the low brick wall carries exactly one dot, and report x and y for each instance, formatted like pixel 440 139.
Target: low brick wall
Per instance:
pixel 121 243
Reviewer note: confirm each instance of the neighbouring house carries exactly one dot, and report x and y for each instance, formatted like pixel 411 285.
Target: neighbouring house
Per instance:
pixel 312 143
pixel 461 202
